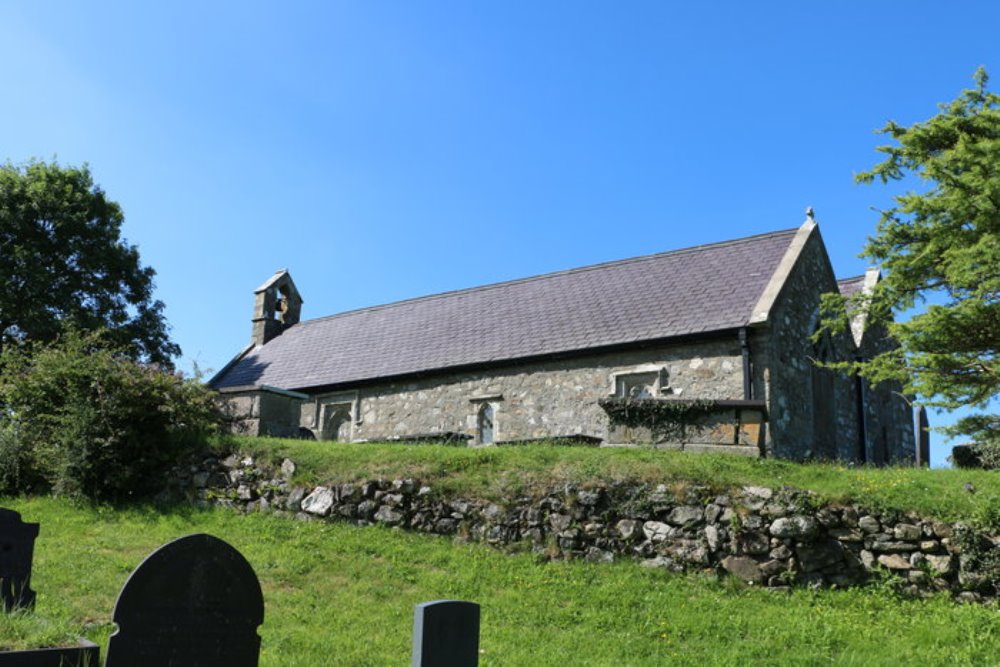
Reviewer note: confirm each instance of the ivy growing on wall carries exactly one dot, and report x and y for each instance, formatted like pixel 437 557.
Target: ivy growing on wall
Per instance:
pixel 665 419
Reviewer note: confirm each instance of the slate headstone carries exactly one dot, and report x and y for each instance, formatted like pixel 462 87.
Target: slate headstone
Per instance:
pixel 194 602
pixel 446 634
pixel 17 547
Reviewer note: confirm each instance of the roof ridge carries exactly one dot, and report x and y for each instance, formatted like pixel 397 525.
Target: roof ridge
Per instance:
pixel 851 278
pixel 552 274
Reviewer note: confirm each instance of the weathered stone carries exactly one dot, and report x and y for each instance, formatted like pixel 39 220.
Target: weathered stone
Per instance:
pixel 758 492
pixel 388 515
pixel 656 531
pixel 347 510
pixel 750 542
pixel 906 531
pixel 712 513
pixel 773 567
pixel 685 515
pixel 869 524
pixel 318 502
pixel 688 551
pixel 891 547
pixel 798 527
pixel 714 537
pixel 423 491
pixel 493 512
pixel 405 486
pixel 200 480
pixel 349 493
pixel 845 534
pixel 393 499
pixel 593 528
pixel 930 546
pixel 659 561
pixel 745 568
pixel 827 518
pixel 595 555
pixel 445 526
pixel 894 562
pixel 366 509
pixel 867 559
pixel 560 522
pixel 942 530
pixel 820 554
pixel 588 498
pixel 245 492
pixel 287 468
pixel 627 529
pixel 942 565
pixel 781 552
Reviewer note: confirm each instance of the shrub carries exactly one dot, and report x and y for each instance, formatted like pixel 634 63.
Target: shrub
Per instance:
pixel 85 419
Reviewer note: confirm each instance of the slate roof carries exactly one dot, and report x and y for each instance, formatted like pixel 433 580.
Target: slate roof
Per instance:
pixel 683 292
pixel 849 286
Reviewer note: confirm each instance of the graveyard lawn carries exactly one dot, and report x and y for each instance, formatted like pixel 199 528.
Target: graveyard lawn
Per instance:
pixel 340 595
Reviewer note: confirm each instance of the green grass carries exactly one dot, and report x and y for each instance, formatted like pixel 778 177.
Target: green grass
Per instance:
pixel 502 472
pixel 340 595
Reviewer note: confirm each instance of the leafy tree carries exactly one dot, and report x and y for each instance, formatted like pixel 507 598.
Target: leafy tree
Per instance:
pixel 940 241
pixel 63 263
pixel 81 417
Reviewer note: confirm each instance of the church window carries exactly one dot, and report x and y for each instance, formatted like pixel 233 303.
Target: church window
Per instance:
pixel 485 424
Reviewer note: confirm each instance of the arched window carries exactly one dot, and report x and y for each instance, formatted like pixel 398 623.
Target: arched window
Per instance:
pixel 485 424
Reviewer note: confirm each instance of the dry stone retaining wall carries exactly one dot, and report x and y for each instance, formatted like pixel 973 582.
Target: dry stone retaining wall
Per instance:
pixel 765 537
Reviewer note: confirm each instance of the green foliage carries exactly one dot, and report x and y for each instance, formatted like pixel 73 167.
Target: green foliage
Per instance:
pixel 943 240
pixel 83 417
pixel 666 420
pixel 339 594
pixel 63 263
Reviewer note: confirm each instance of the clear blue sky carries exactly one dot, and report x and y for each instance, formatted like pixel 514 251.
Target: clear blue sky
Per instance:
pixel 385 150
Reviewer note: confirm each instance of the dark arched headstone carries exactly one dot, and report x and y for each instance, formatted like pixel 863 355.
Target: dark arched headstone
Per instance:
pixel 17 548
pixel 194 601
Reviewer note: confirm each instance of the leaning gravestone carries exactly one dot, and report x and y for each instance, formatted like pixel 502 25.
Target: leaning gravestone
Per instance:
pixel 17 546
pixel 193 602
pixel 446 634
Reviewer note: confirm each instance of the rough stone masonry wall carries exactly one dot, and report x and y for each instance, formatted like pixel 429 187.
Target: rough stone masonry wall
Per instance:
pixel 539 399
pixel 792 406
pixel 765 537
pixel 890 434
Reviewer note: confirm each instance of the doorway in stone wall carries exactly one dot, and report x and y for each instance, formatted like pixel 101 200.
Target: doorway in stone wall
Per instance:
pixel 337 422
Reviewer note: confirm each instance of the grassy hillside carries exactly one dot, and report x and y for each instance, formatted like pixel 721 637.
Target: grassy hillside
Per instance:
pixel 340 595
pixel 501 472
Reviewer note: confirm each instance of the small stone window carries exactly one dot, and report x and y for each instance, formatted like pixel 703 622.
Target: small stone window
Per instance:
pixel 641 382
pixel 484 424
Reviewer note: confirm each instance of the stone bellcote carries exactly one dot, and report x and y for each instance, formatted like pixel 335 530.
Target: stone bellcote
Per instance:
pixel 276 307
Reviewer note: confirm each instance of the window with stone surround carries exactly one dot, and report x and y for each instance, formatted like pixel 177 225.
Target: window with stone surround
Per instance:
pixel 647 381
pixel 485 424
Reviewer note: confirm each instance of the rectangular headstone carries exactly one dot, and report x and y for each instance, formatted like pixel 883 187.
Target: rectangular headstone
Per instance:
pixel 446 634
pixel 17 548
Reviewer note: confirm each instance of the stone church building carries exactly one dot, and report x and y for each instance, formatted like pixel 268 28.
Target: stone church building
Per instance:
pixel 726 327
